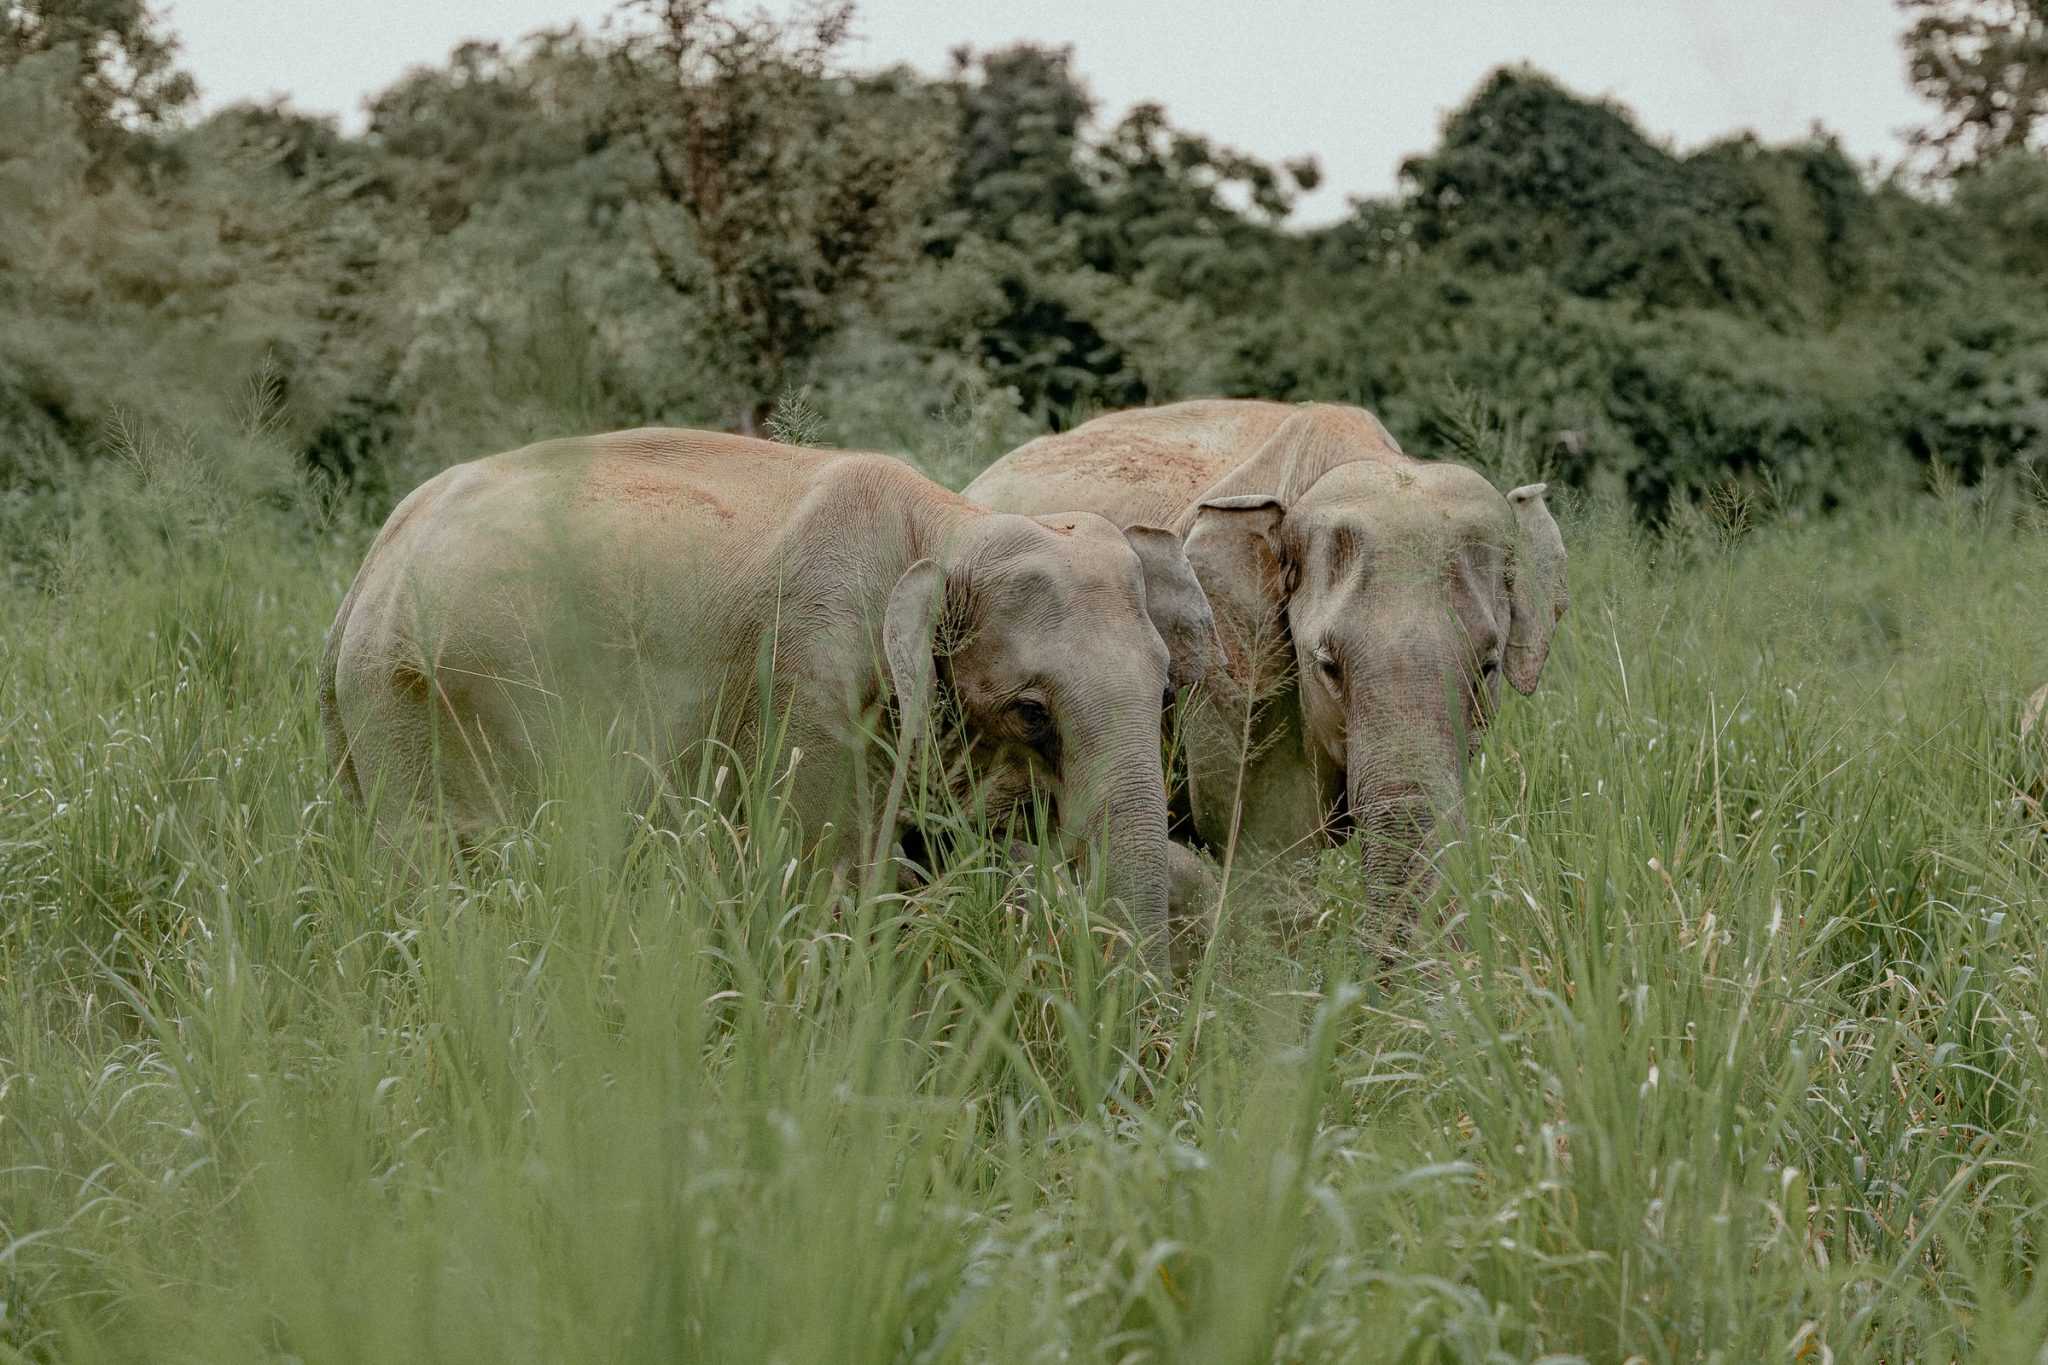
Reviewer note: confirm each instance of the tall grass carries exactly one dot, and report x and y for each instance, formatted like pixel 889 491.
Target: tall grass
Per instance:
pixel 1738 1052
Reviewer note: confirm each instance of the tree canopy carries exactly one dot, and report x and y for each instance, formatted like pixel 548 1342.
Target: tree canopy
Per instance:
pixel 683 216
pixel 1984 63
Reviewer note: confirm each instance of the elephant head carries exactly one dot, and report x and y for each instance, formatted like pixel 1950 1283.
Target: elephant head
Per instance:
pixel 1386 598
pixel 1056 642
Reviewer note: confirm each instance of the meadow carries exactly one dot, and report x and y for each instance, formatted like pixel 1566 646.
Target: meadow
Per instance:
pixel 1737 1052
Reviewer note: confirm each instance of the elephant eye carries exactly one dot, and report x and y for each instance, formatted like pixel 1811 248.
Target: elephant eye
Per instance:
pixel 1490 669
pixel 1032 715
pixel 1333 673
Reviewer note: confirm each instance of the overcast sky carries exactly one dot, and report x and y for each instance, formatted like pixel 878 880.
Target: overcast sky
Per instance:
pixel 1360 84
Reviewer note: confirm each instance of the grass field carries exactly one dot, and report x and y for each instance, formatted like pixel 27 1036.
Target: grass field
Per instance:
pixel 1741 1055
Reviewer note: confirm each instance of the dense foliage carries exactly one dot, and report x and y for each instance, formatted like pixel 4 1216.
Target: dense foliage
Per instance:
pixel 680 220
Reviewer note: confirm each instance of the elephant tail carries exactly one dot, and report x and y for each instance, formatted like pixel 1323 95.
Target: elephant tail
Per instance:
pixel 339 759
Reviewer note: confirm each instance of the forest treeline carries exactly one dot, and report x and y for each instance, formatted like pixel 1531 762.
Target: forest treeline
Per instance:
pixel 684 216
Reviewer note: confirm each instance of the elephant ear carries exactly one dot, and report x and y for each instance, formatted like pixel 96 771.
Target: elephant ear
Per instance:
pixel 1537 595
pixel 1177 605
pixel 1234 547
pixel 916 604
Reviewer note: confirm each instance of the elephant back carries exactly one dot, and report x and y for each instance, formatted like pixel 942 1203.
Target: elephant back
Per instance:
pixel 1307 443
pixel 1140 467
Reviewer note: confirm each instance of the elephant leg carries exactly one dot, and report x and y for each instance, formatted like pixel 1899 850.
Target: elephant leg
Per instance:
pixel 1192 906
pixel 1255 796
pixel 838 786
pixel 444 743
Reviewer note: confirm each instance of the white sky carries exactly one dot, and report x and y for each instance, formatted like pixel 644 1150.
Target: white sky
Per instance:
pixel 1360 84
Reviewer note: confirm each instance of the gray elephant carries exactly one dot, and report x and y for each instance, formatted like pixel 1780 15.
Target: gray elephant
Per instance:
pixel 1369 605
pixel 645 581
pixel 2034 753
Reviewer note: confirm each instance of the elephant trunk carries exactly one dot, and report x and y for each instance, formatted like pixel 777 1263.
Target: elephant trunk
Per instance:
pixel 1404 773
pixel 1117 807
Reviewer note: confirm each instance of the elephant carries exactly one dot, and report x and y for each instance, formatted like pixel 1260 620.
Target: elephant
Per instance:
pixel 648 579
pixel 2034 752
pixel 1368 604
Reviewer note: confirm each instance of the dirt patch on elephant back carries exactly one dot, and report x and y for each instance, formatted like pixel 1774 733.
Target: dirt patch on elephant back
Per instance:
pixel 652 489
pixel 1145 462
pixel 1103 452
pixel 709 502
pixel 631 488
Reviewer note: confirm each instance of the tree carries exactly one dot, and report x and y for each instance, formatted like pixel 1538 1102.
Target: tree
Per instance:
pixel 1985 65
pixel 126 76
pixel 1020 136
pixel 2005 200
pixel 1167 208
pixel 1529 176
pixel 1083 271
pixel 491 119
pixel 795 186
